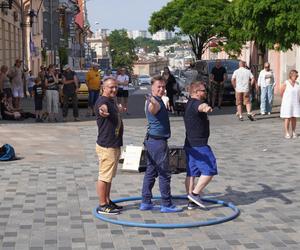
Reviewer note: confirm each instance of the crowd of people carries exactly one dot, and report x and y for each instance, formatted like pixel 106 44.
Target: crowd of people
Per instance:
pixel 50 88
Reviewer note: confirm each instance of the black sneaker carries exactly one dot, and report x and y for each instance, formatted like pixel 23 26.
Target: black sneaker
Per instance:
pixel 191 205
pixel 250 117
pixel 106 209
pixel 115 206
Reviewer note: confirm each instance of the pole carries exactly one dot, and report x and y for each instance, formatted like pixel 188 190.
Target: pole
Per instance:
pixel 23 33
pixel 51 30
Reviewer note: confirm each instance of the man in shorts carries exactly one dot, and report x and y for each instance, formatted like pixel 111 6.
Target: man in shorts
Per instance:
pixel 201 161
pixel 17 84
pixel 240 81
pixel 218 76
pixel 109 142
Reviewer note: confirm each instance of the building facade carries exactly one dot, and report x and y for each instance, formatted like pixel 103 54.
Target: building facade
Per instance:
pixel 11 45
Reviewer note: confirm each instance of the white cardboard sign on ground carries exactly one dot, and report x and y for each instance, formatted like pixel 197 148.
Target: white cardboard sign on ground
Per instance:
pixel 132 156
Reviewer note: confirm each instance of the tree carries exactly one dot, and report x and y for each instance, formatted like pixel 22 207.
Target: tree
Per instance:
pixel 151 45
pixel 270 23
pixel 121 49
pixel 200 20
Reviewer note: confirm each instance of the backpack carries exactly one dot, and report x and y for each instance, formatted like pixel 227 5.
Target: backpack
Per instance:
pixel 7 153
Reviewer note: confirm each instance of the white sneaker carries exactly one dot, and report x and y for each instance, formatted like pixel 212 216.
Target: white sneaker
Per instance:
pixel 269 113
pixel 262 113
pixel 295 136
pixel 287 136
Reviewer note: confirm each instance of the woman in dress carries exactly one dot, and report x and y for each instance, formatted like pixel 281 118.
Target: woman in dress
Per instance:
pixel 290 105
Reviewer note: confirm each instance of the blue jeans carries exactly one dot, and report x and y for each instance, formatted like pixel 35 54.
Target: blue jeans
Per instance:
pixel 157 165
pixel 266 99
pixel 93 96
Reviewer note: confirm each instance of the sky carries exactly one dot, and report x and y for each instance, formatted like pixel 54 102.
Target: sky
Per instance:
pixel 118 14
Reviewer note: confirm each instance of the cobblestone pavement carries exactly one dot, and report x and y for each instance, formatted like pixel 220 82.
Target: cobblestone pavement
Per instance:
pixel 47 197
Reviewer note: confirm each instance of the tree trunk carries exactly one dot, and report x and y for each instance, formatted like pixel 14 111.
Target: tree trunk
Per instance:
pixel 261 56
pixel 196 47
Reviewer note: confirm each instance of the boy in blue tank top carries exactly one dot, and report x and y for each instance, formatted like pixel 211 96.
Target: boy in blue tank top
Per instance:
pixel 201 161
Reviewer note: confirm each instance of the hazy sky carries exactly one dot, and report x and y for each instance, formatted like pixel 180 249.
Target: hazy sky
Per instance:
pixel 117 14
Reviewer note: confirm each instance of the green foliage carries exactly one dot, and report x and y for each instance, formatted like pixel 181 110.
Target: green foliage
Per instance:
pixel 267 22
pixel 200 20
pixel 150 45
pixel 121 49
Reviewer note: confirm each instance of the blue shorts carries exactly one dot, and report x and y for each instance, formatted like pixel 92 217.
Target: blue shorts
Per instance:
pixel 200 161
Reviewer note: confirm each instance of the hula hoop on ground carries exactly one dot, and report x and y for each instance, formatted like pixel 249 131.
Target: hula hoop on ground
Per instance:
pixel 209 222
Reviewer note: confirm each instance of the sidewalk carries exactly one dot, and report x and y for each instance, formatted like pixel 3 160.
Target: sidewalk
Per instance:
pixel 47 198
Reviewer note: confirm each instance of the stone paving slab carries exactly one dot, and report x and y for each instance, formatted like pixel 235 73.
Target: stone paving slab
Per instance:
pixel 46 199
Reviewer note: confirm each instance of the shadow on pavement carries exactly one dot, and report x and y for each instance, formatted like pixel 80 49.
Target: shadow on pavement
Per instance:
pixel 247 198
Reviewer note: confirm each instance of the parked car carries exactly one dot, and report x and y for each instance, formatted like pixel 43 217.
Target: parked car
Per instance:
pixel 144 80
pixel 204 68
pixel 83 93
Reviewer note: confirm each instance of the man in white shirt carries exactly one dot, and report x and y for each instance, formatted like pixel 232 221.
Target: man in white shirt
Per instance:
pixel 266 83
pixel 123 93
pixel 240 81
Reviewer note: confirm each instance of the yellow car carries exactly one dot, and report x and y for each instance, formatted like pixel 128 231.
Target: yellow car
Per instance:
pixel 83 93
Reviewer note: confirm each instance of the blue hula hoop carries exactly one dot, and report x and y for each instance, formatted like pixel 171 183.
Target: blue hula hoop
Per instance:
pixel 235 210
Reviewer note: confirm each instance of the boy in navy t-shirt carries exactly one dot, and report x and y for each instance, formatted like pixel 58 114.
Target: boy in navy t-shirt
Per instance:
pixel 38 93
pixel 201 161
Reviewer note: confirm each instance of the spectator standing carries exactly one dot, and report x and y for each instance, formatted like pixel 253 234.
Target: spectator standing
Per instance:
pixel 42 74
pixel 16 75
pixel 201 161
pixel 240 82
pixel 52 93
pixel 93 82
pixel 218 76
pixel 70 88
pixel 38 93
pixel 109 142
pixel 108 74
pixel 266 82
pixel 171 87
pixel 156 144
pixel 123 93
pixel 290 104
pixel 5 84
pixel 30 82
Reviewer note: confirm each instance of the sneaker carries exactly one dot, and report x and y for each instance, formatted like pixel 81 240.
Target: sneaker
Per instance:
pixel 197 199
pixel 262 113
pixel 106 209
pixel 269 113
pixel 146 206
pixel 241 118
pixel 191 205
pixel 170 209
pixel 287 136
pixel 115 206
pixel 250 117
pixel 294 136
pixel 76 119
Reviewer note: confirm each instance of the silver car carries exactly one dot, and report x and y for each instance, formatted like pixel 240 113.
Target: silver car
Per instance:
pixel 144 80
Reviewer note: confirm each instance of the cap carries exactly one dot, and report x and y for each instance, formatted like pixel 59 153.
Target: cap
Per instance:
pixel 67 66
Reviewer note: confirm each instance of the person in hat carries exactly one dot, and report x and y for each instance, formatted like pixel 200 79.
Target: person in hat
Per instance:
pixel 70 88
pixel 93 83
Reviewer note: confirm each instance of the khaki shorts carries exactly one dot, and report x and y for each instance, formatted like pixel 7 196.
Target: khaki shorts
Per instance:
pixel 242 97
pixel 217 88
pixel 108 162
